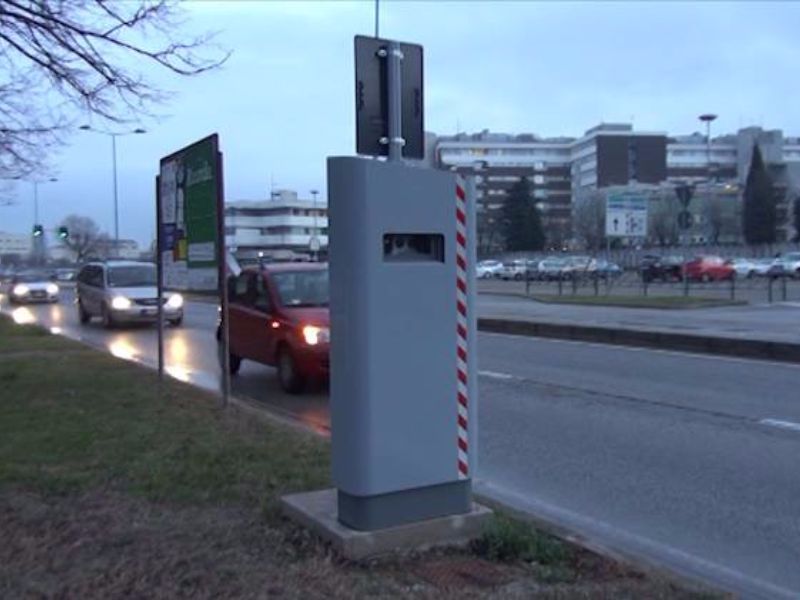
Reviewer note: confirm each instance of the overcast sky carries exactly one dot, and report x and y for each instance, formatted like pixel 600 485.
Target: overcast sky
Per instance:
pixel 284 100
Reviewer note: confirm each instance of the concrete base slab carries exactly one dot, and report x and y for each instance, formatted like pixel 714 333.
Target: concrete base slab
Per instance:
pixel 318 512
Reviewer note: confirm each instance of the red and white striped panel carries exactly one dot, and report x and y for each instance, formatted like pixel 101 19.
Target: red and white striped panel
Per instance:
pixel 462 328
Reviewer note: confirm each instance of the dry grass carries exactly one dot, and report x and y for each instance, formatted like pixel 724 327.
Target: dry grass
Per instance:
pixel 107 490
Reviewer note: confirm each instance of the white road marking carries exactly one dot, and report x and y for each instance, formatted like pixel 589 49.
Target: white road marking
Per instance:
pixel 781 424
pixel 496 375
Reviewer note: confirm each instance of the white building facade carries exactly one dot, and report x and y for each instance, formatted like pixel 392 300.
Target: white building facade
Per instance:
pixel 285 226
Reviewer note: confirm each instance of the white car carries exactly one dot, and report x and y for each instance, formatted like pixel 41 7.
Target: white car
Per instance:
pixel 488 269
pixel 123 292
pixel 791 264
pixel 32 286
pixel 515 269
pixel 744 267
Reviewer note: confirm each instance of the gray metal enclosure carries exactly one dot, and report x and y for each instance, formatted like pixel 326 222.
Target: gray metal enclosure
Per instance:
pixel 393 343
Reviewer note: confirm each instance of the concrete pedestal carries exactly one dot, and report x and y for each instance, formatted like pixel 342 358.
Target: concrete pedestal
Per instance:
pixel 318 512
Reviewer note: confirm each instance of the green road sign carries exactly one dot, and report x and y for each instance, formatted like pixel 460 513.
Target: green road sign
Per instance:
pixel 190 189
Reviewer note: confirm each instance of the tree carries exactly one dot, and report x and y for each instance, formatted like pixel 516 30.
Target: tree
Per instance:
pixel 759 217
pixel 521 222
pixel 85 239
pixel 716 218
pixel 663 224
pixel 589 220
pixel 57 56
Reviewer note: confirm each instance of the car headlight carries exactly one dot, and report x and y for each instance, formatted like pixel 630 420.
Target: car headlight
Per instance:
pixel 20 289
pixel 120 303
pixel 314 335
pixel 52 289
pixel 175 301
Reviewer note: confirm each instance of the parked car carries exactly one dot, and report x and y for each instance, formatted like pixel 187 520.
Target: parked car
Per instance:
pixel 790 263
pixel 532 267
pixel 744 267
pixel 708 268
pixel 279 317
pixel 488 269
pixel 768 267
pixel 31 286
pixel 552 269
pixel 661 268
pixel 605 269
pixel 123 292
pixel 576 267
pixel 514 269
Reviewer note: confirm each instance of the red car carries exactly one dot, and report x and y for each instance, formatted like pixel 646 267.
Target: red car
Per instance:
pixel 279 317
pixel 709 268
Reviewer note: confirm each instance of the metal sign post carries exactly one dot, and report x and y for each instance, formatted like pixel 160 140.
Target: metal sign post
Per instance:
pixel 160 284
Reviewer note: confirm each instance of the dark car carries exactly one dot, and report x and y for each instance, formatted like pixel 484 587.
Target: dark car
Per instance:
pixel 661 268
pixel 279 317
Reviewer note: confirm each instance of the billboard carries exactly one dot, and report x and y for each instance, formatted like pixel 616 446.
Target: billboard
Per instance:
pixel 190 213
pixel 626 215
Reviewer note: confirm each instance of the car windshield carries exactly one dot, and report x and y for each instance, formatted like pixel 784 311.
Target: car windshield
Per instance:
pixel 302 288
pixel 793 256
pixel 32 277
pixel 132 276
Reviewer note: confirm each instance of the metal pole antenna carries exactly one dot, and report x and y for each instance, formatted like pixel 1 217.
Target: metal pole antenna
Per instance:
pixel 377 12
pixel 116 203
pixel 394 66
pixel 35 202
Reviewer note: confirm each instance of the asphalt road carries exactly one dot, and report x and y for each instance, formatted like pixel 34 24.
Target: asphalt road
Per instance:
pixel 690 461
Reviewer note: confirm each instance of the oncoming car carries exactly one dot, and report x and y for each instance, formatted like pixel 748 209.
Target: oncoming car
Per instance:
pixel 123 292
pixel 32 286
pixel 279 317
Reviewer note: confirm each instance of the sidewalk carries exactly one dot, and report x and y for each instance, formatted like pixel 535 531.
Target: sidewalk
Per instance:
pixel 767 331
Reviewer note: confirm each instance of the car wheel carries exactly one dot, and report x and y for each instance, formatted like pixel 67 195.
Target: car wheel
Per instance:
pixel 234 361
pixel 106 318
pixel 291 382
pixel 176 322
pixel 705 278
pixel 83 316
pixel 751 274
pixel 518 277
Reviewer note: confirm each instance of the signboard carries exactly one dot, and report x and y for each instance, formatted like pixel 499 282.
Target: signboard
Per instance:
pixel 190 199
pixel 626 215
pixel 372 110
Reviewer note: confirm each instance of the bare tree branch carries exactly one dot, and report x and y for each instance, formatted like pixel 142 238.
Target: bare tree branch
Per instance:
pixel 57 56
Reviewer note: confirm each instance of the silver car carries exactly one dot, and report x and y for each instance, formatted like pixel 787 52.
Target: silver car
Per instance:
pixel 123 292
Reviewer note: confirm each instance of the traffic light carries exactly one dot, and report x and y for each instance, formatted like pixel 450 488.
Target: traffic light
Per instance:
pixel 63 233
pixel 38 231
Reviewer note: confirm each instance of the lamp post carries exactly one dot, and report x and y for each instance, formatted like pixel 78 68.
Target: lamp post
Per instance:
pixel 114 135
pixel 314 242
pixel 708 118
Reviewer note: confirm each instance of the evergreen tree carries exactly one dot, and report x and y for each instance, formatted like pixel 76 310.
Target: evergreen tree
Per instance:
pixel 759 215
pixel 797 219
pixel 522 223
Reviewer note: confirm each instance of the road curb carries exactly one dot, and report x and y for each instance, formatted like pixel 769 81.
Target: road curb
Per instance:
pixel 662 340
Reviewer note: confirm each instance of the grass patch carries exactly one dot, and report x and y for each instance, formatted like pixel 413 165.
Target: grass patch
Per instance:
pixel 665 302
pixel 108 490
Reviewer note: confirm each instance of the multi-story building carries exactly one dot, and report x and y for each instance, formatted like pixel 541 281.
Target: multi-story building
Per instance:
pixel 564 170
pixel 15 244
pixel 284 225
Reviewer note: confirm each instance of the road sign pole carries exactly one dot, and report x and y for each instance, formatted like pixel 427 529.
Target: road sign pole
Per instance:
pixel 160 283
pixel 394 60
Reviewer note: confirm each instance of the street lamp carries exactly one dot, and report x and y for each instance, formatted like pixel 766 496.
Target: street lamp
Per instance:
pixel 708 118
pixel 36 183
pixel 114 135
pixel 314 242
